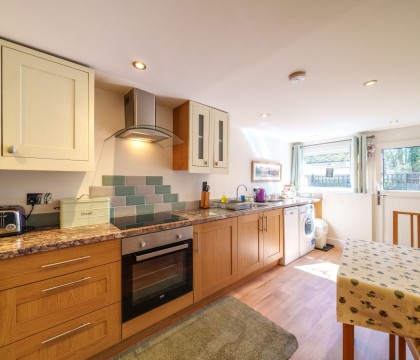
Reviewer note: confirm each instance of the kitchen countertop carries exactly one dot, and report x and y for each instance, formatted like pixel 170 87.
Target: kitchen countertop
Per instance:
pixel 47 240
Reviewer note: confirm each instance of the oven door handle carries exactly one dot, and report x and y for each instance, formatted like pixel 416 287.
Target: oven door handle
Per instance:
pixel 161 252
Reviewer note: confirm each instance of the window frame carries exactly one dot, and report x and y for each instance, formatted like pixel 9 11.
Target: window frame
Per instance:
pixel 325 188
pixel 379 166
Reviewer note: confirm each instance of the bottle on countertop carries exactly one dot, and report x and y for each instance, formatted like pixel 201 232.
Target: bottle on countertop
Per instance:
pixel 224 198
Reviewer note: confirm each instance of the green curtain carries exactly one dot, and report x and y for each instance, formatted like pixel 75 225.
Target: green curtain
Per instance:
pixel 296 166
pixel 359 163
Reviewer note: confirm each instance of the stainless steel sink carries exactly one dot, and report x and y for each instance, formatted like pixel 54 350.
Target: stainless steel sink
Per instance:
pixel 232 204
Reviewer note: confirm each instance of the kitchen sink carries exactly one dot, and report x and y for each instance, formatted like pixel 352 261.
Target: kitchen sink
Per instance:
pixel 238 205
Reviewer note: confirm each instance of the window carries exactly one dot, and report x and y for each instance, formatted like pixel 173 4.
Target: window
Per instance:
pixel 401 168
pixel 327 165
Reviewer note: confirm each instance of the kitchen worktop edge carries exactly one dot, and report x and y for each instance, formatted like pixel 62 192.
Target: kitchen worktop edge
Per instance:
pixel 49 240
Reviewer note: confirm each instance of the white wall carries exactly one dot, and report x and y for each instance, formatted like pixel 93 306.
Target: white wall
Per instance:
pixel 122 157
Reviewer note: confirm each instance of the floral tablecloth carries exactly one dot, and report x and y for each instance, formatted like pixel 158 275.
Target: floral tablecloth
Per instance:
pixel 378 287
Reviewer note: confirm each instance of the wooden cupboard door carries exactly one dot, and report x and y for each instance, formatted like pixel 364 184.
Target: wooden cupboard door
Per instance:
pixel 46 106
pixel 200 138
pixel 215 256
pixel 220 122
pixel 273 235
pixel 250 243
pixel 41 305
pixel 30 268
pixel 77 339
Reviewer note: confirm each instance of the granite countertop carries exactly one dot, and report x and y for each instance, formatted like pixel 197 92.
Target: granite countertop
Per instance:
pixel 47 240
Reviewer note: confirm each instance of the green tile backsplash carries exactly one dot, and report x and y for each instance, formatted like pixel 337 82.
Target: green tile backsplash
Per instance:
pixel 137 195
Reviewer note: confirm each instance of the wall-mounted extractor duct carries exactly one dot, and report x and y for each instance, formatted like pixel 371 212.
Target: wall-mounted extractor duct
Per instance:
pixel 140 119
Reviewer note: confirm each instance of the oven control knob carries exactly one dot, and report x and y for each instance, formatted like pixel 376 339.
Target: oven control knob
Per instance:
pixel 179 236
pixel 143 244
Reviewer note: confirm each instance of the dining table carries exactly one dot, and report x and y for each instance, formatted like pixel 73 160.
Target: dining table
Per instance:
pixel 378 287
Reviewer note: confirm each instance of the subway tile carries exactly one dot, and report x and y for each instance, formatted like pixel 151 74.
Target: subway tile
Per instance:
pixel 162 207
pixel 162 189
pixel 178 206
pixel 124 211
pixel 125 190
pixel 153 199
pixel 112 212
pixel 145 189
pixel 145 209
pixel 135 180
pixel 170 198
pixel 154 180
pixel 99 191
pixel 192 205
pixel 118 201
pixel 108 180
pixel 135 200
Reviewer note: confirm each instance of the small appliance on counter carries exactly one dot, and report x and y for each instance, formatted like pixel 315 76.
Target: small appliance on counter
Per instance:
pixel 260 195
pixel 205 196
pixel 12 220
pixel 82 212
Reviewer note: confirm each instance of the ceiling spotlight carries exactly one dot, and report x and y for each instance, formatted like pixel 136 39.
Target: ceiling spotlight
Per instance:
pixel 139 65
pixel 297 77
pixel 393 122
pixel 265 115
pixel 370 83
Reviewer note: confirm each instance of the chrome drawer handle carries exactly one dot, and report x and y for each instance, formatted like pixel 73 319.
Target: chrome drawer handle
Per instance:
pixel 11 149
pixel 161 252
pixel 67 284
pixel 65 262
pixel 65 333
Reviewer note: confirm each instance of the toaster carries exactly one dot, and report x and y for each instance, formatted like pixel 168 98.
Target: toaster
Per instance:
pixel 12 220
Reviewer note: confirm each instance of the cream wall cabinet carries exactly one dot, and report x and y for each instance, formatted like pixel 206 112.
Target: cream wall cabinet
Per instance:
pixel 61 298
pixel 205 132
pixel 47 111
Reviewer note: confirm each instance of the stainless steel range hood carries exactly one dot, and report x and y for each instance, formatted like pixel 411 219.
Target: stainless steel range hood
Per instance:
pixel 140 119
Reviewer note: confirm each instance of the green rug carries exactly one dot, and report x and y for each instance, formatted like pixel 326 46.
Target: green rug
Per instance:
pixel 225 329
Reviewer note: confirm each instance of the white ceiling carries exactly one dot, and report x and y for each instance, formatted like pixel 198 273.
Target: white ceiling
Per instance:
pixel 237 55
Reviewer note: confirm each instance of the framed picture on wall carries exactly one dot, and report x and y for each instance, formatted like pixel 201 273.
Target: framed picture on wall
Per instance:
pixel 265 171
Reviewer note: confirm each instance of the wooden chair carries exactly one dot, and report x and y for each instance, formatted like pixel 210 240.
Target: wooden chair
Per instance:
pixel 413 344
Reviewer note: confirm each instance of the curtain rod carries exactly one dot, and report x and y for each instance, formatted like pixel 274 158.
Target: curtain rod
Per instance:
pixel 332 142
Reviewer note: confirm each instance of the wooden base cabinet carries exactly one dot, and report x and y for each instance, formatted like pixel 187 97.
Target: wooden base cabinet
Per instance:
pixel 63 304
pixel 76 339
pixel 215 256
pixel 260 240
pixel 250 244
pixel 273 235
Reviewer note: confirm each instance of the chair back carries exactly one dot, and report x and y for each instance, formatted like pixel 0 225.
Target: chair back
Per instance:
pixel 414 225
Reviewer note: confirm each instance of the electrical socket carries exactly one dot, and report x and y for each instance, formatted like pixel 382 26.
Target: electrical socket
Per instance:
pixel 38 198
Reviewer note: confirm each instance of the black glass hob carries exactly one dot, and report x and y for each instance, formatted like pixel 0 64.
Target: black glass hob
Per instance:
pixel 135 221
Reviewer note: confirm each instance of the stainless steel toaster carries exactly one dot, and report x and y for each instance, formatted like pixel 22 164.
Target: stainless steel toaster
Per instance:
pixel 12 220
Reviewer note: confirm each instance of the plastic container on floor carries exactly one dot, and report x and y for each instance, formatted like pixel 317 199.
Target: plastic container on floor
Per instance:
pixel 321 231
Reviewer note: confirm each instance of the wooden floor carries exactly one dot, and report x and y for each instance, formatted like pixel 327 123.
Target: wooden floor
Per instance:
pixel 301 298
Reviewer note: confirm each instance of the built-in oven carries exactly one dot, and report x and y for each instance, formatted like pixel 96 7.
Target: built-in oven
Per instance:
pixel 156 269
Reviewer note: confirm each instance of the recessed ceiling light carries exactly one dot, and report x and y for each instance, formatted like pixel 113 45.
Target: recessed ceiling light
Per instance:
pixel 392 122
pixel 265 115
pixel 370 82
pixel 297 77
pixel 139 65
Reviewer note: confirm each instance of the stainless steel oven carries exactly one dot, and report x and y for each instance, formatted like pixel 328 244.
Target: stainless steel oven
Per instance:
pixel 156 269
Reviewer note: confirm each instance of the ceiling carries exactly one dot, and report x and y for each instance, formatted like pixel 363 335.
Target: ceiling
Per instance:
pixel 237 55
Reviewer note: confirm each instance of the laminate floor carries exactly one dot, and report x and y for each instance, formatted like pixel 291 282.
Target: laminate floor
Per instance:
pixel 301 298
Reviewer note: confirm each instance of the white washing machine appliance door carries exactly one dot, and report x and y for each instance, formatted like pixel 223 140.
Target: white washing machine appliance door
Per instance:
pixel 307 231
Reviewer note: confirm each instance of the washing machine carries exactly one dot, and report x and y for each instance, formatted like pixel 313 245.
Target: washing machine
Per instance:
pixel 306 229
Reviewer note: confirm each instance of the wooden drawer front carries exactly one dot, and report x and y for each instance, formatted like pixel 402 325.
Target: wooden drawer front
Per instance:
pixel 30 268
pixel 76 339
pixel 39 306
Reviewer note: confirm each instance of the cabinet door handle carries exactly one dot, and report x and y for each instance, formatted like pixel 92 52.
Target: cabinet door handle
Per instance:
pixel 260 224
pixel 216 163
pixel 66 333
pixel 66 262
pixel 266 220
pixel 198 249
pixel 11 149
pixel 205 162
pixel 67 284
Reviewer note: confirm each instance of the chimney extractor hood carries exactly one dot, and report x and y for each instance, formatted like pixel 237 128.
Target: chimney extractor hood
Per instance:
pixel 140 119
